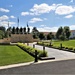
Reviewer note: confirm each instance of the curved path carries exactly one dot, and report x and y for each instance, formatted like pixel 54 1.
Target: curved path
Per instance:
pixel 58 54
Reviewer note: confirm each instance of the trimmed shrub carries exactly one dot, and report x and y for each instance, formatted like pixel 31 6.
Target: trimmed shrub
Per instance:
pixel 31 50
pixel 70 48
pixel 66 47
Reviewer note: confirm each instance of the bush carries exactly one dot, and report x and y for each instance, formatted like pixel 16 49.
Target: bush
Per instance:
pixel 31 50
pixel 74 49
pixel 62 37
pixel 70 48
pixel 66 47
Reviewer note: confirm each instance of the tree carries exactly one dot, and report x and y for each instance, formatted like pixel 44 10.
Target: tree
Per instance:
pixel 21 30
pixel 67 32
pixel 63 33
pixel 28 30
pixel 35 33
pixel 41 36
pixel 2 28
pixel 2 31
pixel 17 30
pixel 24 30
pixel 50 36
pixel 6 34
pixel 1 34
pixel 13 30
pixel 9 31
pixel 61 37
pixel 59 32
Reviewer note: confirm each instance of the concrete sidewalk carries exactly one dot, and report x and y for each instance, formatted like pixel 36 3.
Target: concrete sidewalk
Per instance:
pixel 58 54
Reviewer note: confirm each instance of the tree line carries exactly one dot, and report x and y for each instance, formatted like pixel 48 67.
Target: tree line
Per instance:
pixel 5 33
pixel 63 33
pixel 20 30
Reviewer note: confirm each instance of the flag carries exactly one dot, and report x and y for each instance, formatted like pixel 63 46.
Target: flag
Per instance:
pixel 18 21
pixel 27 24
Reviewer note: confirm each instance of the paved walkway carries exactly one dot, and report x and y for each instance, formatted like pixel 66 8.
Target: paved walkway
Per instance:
pixel 58 54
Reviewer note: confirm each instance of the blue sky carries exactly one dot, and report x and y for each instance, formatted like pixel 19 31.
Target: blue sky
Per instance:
pixel 46 15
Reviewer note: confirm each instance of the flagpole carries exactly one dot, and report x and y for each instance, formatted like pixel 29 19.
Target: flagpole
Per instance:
pixel 18 21
pixel 27 25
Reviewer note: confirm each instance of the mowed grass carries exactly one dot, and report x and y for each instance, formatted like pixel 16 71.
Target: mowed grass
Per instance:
pixel 69 43
pixel 12 55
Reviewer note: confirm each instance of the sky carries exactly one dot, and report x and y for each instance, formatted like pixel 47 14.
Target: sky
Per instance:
pixel 45 15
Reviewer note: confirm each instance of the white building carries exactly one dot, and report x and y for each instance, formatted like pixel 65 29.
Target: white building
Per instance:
pixel 72 34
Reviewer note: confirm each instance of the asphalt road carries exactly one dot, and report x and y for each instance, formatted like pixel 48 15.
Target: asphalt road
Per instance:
pixel 57 67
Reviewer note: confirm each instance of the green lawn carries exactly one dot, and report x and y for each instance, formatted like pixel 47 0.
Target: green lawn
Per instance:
pixel 13 54
pixel 70 43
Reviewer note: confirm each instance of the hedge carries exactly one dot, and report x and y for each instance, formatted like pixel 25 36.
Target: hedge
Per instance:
pixel 31 50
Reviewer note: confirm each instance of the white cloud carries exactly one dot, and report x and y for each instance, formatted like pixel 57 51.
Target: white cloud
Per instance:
pixel 4 10
pixel 24 13
pixel 48 29
pixel 34 20
pixel 39 9
pixel 59 9
pixel 42 8
pixel 68 16
pixel 71 1
pixel 63 10
pixel 27 13
pixel 5 23
pixel 11 23
pixel 4 17
pixel 31 13
pixel 42 25
pixel 12 16
pixel 72 27
pixel 45 18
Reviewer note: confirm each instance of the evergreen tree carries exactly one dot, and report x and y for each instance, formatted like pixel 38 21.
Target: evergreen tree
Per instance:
pixel 2 28
pixel 13 30
pixel 59 32
pixel 50 36
pixel 24 29
pixel 17 30
pixel 67 32
pixel 28 30
pixel 21 30
pixel 41 36
pixel 35 32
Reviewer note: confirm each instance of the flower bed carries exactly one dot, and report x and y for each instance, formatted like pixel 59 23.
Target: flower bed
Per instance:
pixel 31 50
